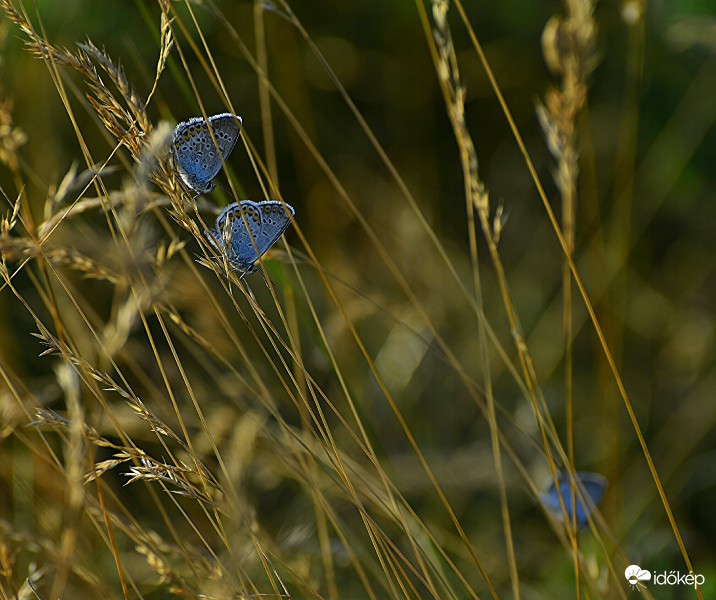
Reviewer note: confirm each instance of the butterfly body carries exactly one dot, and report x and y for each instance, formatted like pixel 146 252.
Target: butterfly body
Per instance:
pixel 197 156
pixel 245 231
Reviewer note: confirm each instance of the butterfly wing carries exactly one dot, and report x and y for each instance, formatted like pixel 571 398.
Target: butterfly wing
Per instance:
pixel 275 219
pixel 243 229
pixel 226 131
pixel 235 227
pixel 195 152
pixel 590 486
pixel 594 487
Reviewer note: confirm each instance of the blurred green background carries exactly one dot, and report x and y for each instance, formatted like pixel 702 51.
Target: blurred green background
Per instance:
pixel 645 228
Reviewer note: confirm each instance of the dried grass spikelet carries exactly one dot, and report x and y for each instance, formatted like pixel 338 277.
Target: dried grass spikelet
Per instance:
pixel 73 183
pixel 88 267
pixel 154 154
pixel 568 42
pixel 166 574
pixel 178 479
pixel 118 105
pixel 161 428
pixel 7 223
pixel 48 419
pixel 122 111
pixel 129 124
pixel 568 47
pixel 11 137
pixel 449 74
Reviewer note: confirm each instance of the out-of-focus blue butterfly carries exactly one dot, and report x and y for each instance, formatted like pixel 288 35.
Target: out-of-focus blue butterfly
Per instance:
pixel 588 493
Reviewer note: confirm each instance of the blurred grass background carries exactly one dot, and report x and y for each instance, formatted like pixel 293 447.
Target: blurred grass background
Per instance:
pixel 370 422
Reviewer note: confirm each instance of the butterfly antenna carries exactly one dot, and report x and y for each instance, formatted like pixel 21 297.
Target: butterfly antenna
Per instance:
pixel 227 192
pixel 266 280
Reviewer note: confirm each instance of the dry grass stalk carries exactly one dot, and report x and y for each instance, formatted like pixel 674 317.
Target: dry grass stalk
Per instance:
pixel 568 48
pixel 477 198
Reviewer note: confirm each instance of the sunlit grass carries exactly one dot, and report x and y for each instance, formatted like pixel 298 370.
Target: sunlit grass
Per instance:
pixel 375 413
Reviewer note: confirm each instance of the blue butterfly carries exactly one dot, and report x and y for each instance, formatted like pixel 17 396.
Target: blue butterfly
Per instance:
pixel 198 155
pixel 588 493
pixel 245 230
